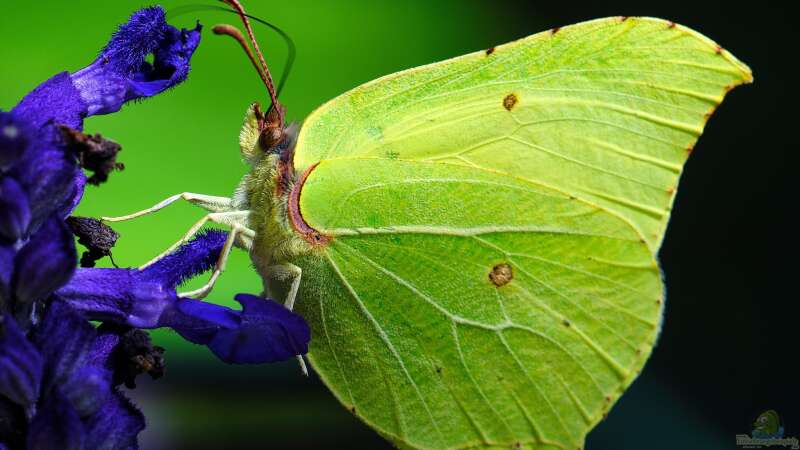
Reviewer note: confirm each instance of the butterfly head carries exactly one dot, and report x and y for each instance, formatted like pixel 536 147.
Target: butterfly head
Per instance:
pixel 263 132
pixel 271 126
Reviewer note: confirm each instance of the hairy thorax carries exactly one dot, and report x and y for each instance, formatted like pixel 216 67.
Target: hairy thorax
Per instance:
pixel 271 190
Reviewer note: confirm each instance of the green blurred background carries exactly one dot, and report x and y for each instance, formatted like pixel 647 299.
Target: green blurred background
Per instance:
pixel 730 305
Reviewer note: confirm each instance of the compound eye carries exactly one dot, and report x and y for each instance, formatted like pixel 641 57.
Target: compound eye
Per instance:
pixel 271 137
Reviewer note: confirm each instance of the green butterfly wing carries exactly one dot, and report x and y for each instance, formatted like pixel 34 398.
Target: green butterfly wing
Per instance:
pixel 491 279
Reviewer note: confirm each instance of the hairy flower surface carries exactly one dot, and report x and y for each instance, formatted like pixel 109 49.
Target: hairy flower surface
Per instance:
pixel 60 375
pixel 263 331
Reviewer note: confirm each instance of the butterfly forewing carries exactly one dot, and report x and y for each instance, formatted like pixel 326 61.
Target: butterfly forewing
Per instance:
pixel 606 110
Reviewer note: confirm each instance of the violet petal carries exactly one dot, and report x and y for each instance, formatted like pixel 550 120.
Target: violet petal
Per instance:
pixel 122 296
pixel 190 260
pixel 45 263
pixel 139 298
pixel 268 332
pixel 13 141
pixel 198 321
pixel 56 101
pixel 20 365
pixel 7 254
pixel 171 62
pixel 88 388
pixel 121 73
pixel 134 40
pixel 15 213
pixel 56 426
pixel 115 426
pixel 49 175
pixel 65 340
pixel 263 331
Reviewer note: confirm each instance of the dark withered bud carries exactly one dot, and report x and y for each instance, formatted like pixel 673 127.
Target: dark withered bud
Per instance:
pixel 136 355
pixel 95 153
pixel 97 237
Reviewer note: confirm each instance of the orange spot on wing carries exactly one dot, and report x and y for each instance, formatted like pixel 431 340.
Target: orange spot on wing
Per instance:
pixel 510 101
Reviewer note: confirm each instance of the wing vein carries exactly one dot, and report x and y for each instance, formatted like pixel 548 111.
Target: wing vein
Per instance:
pixel 385 338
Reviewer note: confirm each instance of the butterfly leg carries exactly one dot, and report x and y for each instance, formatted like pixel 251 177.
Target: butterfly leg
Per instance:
pixel 236 232
pixel 208 202
pixel 223 218
pixel 289 272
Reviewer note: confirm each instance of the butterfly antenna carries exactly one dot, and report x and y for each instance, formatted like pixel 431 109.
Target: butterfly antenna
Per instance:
pixel 292 51
pixel 270 85
pixel 228 30
pixel 291 47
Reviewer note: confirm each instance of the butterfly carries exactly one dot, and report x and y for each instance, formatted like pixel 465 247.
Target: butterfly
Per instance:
pixel 473 242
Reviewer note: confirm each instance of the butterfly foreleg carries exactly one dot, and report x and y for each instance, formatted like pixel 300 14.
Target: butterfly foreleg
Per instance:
pixel 230 219
pixel 237 232
pixel 208 202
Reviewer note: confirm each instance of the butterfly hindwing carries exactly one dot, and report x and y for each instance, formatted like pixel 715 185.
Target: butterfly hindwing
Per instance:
pixel 480 308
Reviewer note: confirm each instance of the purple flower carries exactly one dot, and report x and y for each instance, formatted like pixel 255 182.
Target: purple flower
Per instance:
pixel 263 331
pixel 20 366
pixel 38 177
pixel 60 375
pixel 37 253
pixel 81 403
pixel 121 74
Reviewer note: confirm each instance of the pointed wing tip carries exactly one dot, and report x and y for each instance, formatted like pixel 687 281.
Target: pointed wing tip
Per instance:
pixel 743 69
pixel 745 72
